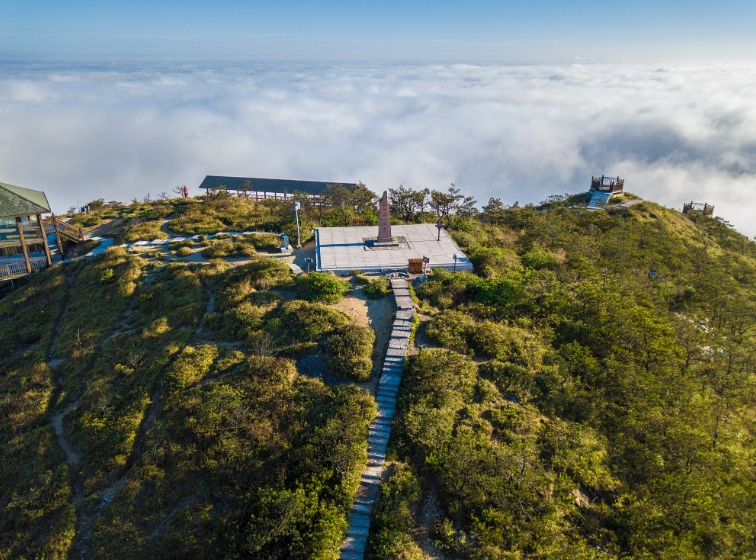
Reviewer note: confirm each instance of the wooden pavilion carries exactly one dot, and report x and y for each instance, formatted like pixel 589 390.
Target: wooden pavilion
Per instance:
pixel 262 189
pixel 22 226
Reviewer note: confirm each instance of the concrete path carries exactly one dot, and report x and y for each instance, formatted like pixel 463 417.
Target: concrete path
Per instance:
pixel 380 428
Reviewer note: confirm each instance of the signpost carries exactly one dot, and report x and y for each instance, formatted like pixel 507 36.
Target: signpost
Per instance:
pixel 308 260
pixel 439 225
pixel 426 260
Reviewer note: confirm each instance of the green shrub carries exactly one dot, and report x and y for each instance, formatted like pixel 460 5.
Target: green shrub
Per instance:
pixel 145 231
pixel 223 249
pixel 451 329
pixel 378 288
pixel 356 272
pixel 190 366
pixel 175 245
pixel 492 261
pixel 362 280
pixel 85 220
pixel 183 252
pixel 350 351
pixel 321 286
pixel 393 516
pixel 539 258
pixel 444 288
pixel 268 242
pixel 243 319
pixel 302 321
pixel 261 273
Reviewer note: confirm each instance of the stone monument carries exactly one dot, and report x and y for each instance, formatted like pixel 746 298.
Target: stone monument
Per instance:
pixel 384 221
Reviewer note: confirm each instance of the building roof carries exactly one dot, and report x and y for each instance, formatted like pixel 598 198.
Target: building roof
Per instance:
pixel 267 185
pixel 18 201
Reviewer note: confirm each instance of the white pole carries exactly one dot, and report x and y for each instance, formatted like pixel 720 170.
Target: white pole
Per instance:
pixel 296 214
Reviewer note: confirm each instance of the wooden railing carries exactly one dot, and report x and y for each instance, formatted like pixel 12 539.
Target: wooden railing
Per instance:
pixel 19 268
pixel 65 229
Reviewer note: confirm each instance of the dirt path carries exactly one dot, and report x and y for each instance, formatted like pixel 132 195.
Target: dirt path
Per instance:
pixel 73 458
pixel 376 314
pixel 164 225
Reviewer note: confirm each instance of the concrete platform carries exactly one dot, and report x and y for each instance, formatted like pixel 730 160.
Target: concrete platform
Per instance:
pixel 341 249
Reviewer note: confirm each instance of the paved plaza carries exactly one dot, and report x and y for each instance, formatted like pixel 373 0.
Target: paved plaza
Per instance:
pixel 341 249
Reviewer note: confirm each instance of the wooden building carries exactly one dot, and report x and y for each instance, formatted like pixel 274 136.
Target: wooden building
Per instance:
pixel 261 189
pixel 23 227
pixel 700 207
pixel 611 185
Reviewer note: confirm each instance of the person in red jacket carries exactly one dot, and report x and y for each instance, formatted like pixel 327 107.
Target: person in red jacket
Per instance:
pixel 186 192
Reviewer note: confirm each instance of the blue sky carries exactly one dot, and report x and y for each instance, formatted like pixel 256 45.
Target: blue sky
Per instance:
pixel 508 100
pixel 450 30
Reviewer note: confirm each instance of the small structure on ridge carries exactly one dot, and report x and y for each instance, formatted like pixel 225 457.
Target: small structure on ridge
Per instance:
pixel 701 207
pixel 611 185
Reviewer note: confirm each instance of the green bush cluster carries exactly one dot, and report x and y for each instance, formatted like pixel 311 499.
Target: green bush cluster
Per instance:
pixel 321 286
pixel 183 252
pixel 464 333
pixel 378 288
pixel 223 249
pixel 394 516
pixel 503 485
pixel 350 352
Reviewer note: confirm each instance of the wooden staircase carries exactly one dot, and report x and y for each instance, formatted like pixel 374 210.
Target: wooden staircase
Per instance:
pixel 56 225
pixel 16 266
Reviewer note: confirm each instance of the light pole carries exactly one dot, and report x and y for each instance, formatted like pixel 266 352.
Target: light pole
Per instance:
pixel 439 225
pixel 296 215
pixel 455 263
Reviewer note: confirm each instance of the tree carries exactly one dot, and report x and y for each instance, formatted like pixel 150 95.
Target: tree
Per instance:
pixel 362 198
pixel 493 212
pixel 401 203
pixel 178 190
pixel 446 203
pixel 467 208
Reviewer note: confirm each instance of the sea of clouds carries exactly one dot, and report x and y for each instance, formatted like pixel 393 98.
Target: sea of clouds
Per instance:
pixel 516 132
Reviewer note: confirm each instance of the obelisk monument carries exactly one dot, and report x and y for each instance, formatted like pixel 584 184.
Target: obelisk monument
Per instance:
pixel 384 220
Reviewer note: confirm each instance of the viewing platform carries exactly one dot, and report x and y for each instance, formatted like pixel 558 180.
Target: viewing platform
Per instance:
pixel 701 207
pixel 606 184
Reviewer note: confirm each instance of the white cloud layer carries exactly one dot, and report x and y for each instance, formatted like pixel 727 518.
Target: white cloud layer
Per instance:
pixel 674 134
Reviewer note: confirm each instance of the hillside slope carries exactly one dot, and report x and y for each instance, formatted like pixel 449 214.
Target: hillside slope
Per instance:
pixel 587 392
pixel 183 427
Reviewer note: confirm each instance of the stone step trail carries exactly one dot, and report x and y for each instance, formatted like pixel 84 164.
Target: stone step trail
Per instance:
pixel 599 200
pixel 379 431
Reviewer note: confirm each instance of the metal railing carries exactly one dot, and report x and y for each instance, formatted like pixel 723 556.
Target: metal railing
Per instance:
pixel 19 268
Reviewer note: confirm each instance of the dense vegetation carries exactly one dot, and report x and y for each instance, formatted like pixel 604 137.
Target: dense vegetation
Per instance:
pixel 587 392
pixel 591 392
pixel 194 434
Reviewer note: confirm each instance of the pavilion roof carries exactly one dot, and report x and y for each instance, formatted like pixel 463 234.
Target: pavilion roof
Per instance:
pixel 267 185
pixel 18 201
